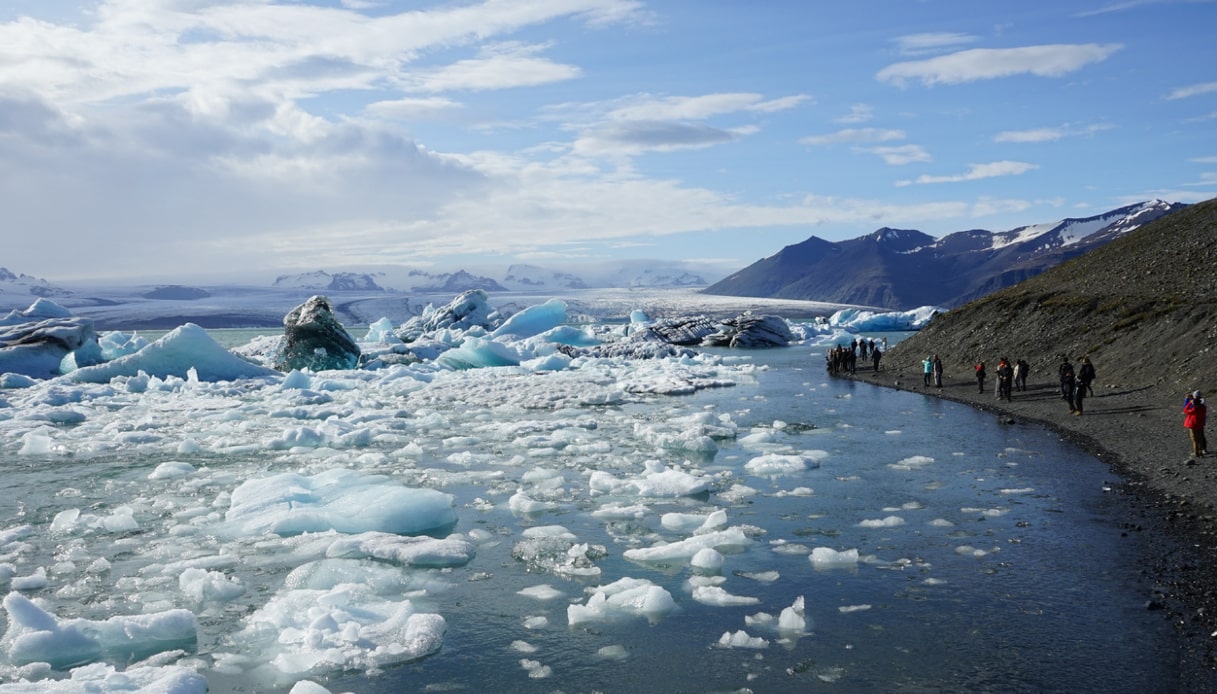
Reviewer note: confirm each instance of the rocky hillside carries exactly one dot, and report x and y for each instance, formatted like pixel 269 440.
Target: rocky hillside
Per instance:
pixel 1144 307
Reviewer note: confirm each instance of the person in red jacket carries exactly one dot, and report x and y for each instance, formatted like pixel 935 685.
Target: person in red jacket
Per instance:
pixel 1194 414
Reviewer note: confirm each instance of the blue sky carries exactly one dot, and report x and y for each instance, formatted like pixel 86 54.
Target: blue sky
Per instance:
pixel 175 138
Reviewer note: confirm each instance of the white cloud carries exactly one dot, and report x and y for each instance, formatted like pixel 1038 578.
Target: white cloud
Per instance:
pixel 915 44
pixel 1048 134
pixel 899 156
pixel 1192 90
pixel 977 172
pixel 858 113
pixel 684 108
pixel 853 135
pixel 992 63
pixel 500 66
pixel 408 108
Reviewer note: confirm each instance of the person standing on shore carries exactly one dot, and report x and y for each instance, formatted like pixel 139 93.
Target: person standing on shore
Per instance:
pixel 980 377
pixel 1021 369
pixel 1068 382
pixel 1079 394
pixel 1086 375
pixel 1005 379
pixel 928 365
pixel 875 354
pixel 937 372
pixel 1194 414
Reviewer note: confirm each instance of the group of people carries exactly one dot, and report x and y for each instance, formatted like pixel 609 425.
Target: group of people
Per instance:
pixel 933 371
pixel 1011 376
pixel 1076 386
pixel 844 358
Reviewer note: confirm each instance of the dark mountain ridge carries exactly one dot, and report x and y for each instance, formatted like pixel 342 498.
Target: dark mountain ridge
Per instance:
pixel 1143 305
pixel 901 269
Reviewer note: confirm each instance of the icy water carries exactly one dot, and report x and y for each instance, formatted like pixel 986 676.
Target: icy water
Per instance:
pixel 991 558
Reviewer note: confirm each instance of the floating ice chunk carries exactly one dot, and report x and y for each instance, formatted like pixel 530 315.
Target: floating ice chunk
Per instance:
pixel 613 652
pixel 846 609
pixel 554 549
pixel 171 470
pixel 478 353
pixel 970 551
pixel 15 380
pixel 828 558
pixel 774 464
pixel 425 552
pixel 121 520
pixel 762 576
pixel 35 635
pixel 185 350
pixel 536 622
pixel 731 539
pixel 912 463
pixel 793 619
pixel 307 687
pixel 100 678
pixel 340 499
pixel 693 522
pixel 856 320
pixel 668 482
pixel 205 586
pixel 889 522
pixel 522 504
pixel 35 581
pixel 381 332
pixel 523 647
pixel 541 592
pixel 708 560
pixel 624 597
pixel 741 639
pixel 719 597
pixel 550 362
pixel 616 511
pixel 533 320
pixel 303 633
pixel 535 669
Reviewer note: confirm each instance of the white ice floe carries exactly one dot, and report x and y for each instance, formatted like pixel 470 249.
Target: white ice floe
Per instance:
pixel 35 635
pixel 626 597
pixel 829 558
pixel 339 499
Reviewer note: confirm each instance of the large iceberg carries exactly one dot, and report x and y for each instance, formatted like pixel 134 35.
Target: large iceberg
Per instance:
pixel 186 352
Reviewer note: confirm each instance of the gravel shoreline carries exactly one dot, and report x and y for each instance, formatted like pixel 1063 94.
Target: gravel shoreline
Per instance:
pixel 1138 432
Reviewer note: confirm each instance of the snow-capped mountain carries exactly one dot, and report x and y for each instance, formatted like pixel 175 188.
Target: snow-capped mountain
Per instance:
pixel 323 281
pixel 13 283
pixel 902 269
pixel 450 282
pixel 531 277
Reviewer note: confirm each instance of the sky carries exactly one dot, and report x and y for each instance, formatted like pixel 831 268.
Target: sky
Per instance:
pixel 166 139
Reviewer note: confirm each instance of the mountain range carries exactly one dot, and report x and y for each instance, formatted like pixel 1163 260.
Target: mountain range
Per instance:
pixel 901 269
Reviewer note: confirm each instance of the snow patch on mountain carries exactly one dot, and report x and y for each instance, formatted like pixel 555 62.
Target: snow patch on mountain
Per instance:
pixel 322 281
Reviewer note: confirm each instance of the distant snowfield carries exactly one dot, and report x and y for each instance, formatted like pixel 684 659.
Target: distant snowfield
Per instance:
pixel 234 306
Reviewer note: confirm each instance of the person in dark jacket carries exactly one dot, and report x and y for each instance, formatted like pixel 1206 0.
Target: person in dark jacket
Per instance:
pixel 980 377
pixel 1021 369
pixel 1068 381
pixel 1086 375
pixel 1005 379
